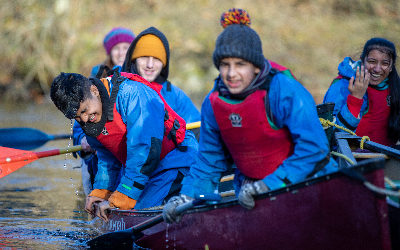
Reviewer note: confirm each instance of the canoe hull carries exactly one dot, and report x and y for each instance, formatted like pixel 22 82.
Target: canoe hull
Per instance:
pixel 337 213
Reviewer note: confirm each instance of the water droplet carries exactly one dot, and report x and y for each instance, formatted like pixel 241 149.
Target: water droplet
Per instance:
pixel 166 236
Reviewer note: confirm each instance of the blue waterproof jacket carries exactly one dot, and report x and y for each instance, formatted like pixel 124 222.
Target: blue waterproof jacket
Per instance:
pixel 95 70
pixel 338 93
pixel 173 95
pixel 293 107
pixel 142 110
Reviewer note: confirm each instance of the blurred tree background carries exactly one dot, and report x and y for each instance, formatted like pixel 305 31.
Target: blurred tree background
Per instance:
pixel 41 38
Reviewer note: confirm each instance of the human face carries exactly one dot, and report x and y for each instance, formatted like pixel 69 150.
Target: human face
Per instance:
pixel 149 67
pixel 118 53
pixel 90 109
pixel 379 66
pixel 237 74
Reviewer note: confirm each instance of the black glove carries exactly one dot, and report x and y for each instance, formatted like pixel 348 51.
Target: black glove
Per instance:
pixel 169 210
pixel 248 190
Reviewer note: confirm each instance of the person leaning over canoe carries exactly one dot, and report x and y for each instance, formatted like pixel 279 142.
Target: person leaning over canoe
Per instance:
pixel 264 120
pixel 148 56
pixel 129 124
pixel 116 43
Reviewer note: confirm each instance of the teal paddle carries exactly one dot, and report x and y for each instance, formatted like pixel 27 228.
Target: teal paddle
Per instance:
pixel 26 138
pixel 31 138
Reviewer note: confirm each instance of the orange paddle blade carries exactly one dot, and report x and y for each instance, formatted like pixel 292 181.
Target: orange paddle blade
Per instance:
pixel 12 159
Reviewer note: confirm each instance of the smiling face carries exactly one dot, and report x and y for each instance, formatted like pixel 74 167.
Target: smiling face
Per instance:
pixel 118 53
pixel 149 67
pixel 379 66
pixel 237 74
pixel 90 110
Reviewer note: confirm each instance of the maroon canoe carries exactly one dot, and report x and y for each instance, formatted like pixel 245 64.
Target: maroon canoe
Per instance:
pixel 329 212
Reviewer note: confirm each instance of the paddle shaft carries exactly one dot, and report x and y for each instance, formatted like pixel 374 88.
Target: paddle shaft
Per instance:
pixel 382 149
pixel 193 125
pixel 128 236
pixel 61 137
pixel 159 218
pixel 373 146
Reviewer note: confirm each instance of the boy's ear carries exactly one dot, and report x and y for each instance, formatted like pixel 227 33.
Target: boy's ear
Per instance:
pixel 94 90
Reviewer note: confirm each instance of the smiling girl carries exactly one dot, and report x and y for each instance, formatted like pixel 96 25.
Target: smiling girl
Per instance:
pixel 367 93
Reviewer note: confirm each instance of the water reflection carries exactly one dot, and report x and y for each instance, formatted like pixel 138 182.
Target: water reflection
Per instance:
pixel 42 203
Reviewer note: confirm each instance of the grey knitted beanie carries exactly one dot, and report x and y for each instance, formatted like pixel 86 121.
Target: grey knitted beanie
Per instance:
pixel 238 39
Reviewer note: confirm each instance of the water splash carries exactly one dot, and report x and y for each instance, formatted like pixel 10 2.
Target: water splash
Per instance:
pixel 166 236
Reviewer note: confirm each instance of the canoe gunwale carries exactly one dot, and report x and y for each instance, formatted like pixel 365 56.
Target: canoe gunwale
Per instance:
pixel 363 167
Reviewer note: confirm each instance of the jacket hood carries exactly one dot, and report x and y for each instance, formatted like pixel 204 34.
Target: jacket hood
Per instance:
pixel 130 66
pixel 348 66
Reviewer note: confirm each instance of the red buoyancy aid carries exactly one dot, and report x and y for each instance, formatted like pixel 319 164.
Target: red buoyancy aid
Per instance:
pixel 113 136
pixel 256 148
pixel 374 123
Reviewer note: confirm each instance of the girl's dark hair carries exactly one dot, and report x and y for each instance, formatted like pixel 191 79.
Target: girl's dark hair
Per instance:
pixel 386 46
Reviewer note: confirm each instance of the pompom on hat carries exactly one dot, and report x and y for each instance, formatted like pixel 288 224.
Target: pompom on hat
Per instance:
pixel 117 35
pixel 238 39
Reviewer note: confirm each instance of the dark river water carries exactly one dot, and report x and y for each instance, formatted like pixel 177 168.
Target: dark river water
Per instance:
pixel 42 203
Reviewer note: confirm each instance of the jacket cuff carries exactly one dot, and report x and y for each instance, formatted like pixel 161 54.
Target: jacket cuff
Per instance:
pixel 273 182
pixel 101 193
pixel 130 188
pixel 121 201
pixel 354 104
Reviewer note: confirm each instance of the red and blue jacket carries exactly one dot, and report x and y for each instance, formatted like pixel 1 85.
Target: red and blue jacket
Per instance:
pixel 142 112
pixel 293 110
pixel 367 116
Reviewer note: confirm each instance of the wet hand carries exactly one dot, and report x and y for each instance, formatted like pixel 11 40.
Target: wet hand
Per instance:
pixel 248 190
pixel 85 146
pixel 359 86
pixel 102 210
pixel 90 201
pixel 169 211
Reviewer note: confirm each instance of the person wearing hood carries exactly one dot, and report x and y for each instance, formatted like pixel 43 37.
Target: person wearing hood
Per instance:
pixel 366 94
pixel 148 56
pixel 261 118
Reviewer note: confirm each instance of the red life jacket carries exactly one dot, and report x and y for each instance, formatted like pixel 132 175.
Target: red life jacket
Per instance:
pixel 113 136
pixel 374 123
pixel 256 148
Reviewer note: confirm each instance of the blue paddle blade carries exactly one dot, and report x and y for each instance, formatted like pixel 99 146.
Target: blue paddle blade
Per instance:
pixel 23 138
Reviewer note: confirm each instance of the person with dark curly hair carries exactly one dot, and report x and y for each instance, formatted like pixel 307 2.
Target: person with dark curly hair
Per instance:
pixel 142 145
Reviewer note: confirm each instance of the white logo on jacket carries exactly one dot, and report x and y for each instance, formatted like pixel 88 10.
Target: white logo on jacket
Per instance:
pixel 236 120
pixel 105 132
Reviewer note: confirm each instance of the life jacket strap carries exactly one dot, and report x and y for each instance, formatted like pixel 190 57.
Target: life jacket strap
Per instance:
pixel 172 136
